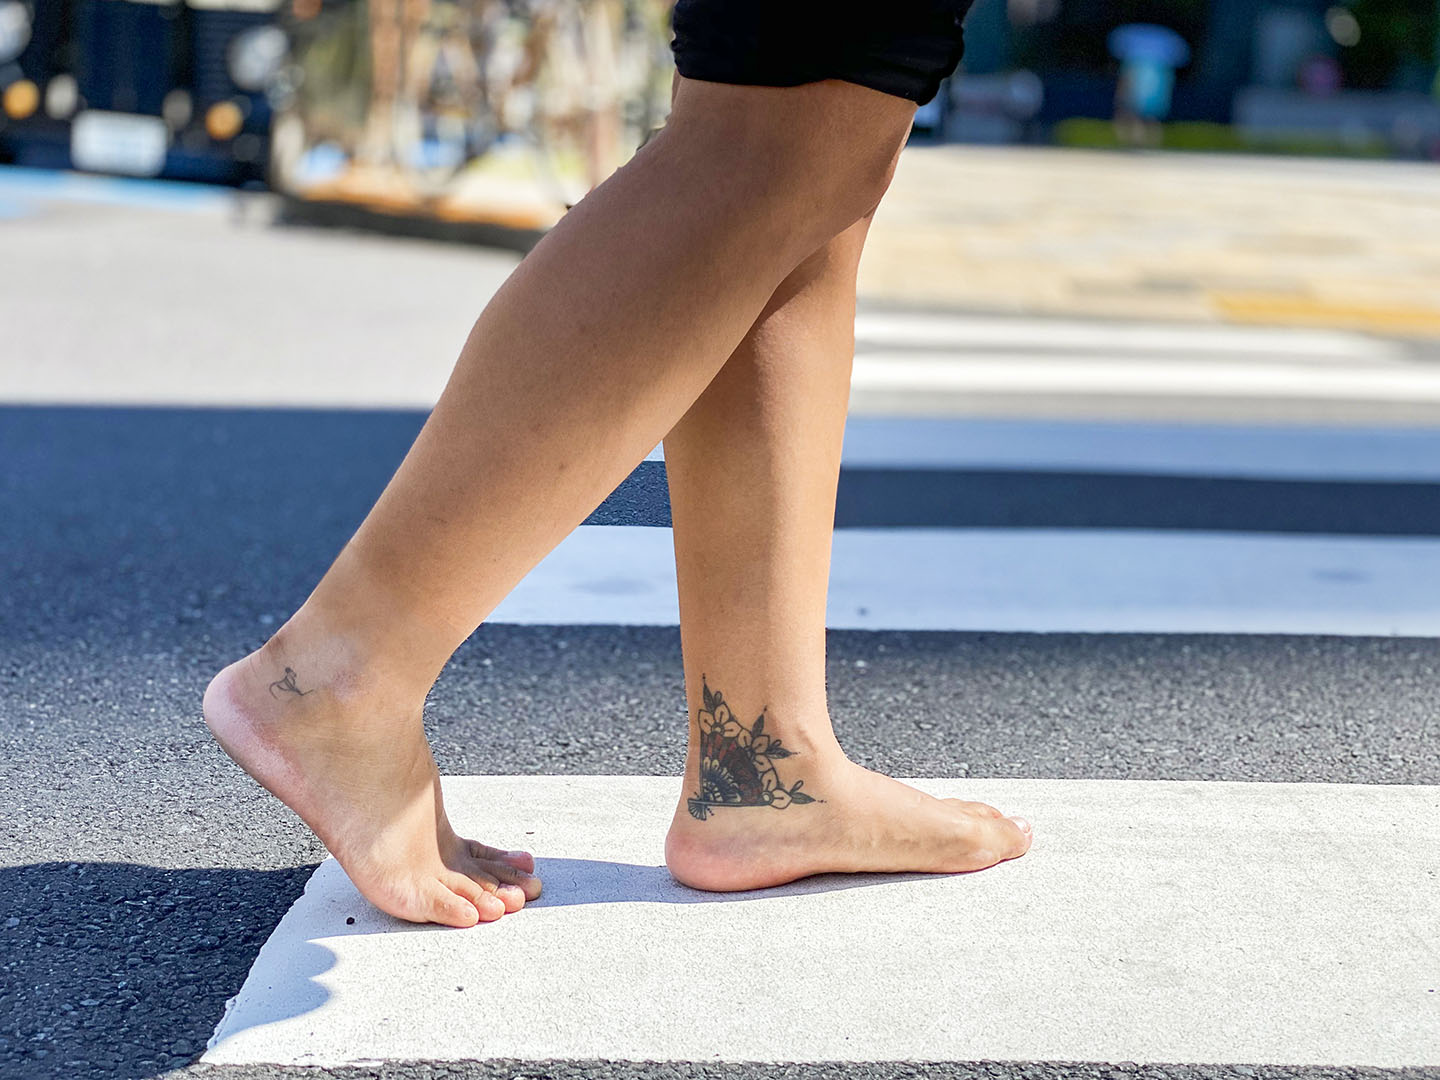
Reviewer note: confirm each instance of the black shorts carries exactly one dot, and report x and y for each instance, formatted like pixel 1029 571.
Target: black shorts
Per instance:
pixel 902 47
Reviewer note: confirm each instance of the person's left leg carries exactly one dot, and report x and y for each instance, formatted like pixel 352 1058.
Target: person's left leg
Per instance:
pixel 769 796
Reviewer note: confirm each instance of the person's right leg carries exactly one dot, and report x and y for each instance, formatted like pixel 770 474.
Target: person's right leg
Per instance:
pixel 588 353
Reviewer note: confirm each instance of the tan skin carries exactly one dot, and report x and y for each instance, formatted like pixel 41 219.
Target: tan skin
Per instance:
pixel 726 246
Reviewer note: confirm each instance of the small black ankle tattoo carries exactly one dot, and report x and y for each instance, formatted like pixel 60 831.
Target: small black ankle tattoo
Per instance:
pixel 737 763
pixel 288 684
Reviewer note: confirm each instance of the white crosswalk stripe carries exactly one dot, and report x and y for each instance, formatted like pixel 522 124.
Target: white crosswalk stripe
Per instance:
pixel 943 364
pixel 1155 921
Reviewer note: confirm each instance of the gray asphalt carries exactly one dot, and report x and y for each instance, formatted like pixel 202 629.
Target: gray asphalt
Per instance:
pixel 141 871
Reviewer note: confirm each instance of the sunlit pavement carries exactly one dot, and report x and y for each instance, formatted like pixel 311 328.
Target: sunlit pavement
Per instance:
pixel 1066 552
pixel 1192 237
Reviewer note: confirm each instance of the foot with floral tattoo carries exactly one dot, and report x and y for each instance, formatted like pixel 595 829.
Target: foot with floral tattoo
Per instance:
pixel 759 810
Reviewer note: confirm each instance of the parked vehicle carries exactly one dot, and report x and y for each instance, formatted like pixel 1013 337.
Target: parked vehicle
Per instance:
pixel 170 88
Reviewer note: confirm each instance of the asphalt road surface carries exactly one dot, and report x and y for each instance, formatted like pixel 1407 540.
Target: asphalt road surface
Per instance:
pixel 144 547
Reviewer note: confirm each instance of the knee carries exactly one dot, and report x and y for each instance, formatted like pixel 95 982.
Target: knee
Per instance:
pixel 820 156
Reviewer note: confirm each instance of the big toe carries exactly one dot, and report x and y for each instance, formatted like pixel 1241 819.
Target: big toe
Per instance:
pixel 997 839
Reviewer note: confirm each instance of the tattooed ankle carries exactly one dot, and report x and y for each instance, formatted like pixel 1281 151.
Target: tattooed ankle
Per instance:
pixel 288 684
pixel 737 764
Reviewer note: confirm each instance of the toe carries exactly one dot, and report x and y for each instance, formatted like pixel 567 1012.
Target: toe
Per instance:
pixel 527 884
pixel 512 896
pixel 1012 836
pixel 479 894
pixel 983 809
pixel 476 882
pixel 992 840
pixel 520 860
pixel 450 908
pixel 494 876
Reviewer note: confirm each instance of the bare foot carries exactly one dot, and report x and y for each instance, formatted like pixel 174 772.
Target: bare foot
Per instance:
pixel 361 775
pixel 766 815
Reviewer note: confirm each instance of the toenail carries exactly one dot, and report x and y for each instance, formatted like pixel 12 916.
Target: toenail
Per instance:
pixel 1022 823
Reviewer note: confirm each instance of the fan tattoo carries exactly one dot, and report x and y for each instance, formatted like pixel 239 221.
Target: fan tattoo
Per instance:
pixel 737 764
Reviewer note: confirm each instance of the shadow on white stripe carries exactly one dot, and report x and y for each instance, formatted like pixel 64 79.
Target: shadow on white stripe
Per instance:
pixel 1151 921
pixel 1032 580
pixel 1259 451
pixel 1275 451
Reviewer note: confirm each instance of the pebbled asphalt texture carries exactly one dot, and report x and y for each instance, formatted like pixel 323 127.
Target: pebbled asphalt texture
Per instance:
pixel 140 870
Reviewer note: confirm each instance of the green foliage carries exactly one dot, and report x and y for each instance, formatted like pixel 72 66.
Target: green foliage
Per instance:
pixel 1218 138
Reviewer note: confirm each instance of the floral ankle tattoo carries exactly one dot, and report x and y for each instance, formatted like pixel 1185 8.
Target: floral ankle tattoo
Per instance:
pixel 737 764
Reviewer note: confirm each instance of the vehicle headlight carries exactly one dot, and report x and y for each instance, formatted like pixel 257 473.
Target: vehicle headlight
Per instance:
pixel 14 29
pixel 255 56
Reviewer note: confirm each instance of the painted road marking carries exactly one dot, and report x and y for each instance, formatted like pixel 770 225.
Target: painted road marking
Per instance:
pixel 50 185
pixel 1151 921
pixel 956 332
pixel 897 373
pixel 907 363
pixel 1057 580
pixel 939 364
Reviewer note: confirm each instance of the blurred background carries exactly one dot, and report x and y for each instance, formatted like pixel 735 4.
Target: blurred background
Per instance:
pixel 470 104
pixel 484 120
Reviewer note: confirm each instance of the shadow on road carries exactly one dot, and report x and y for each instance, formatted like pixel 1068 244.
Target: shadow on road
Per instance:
pixel 120 970
pixel 289 985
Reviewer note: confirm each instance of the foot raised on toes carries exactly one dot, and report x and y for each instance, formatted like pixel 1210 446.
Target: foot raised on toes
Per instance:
pixel 359 772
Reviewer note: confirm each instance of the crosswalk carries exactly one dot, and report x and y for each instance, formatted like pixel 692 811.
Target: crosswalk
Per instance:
pixel 1153 921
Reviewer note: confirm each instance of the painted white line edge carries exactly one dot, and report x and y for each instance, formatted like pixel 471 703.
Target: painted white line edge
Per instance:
pixel 988 373
pixel 1043 580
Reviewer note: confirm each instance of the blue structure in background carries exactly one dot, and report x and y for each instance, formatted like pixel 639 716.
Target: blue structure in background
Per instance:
pixel 147 87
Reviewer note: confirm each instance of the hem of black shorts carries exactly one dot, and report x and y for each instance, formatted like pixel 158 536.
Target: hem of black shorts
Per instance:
pixel 910 92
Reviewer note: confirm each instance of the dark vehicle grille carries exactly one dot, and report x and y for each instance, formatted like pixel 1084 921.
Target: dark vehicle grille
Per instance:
pixel 126 54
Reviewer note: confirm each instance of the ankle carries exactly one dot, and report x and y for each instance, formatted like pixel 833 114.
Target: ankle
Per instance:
pixel 317 654
pixel 800 721
pixel 765 761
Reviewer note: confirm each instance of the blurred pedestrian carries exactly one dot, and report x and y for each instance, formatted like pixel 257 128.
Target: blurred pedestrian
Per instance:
pixel 1148 55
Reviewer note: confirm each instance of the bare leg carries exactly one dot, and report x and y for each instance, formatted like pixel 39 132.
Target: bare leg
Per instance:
pixel 590 351
pixel 753 468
